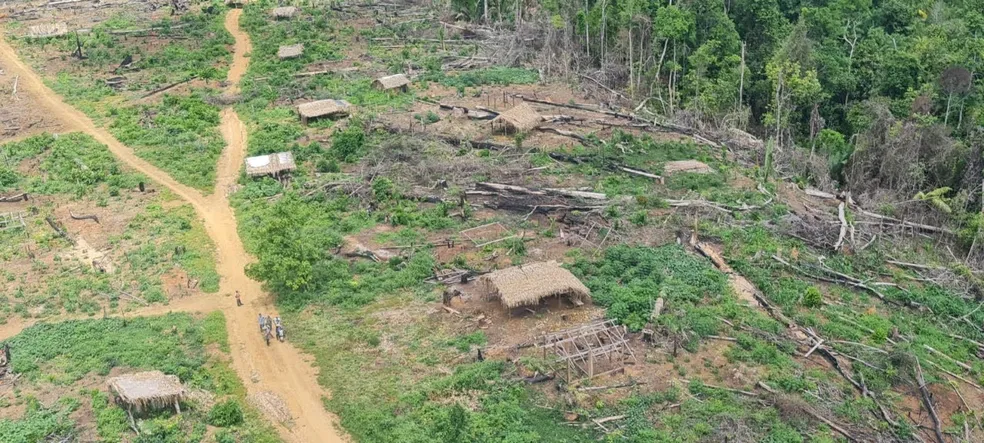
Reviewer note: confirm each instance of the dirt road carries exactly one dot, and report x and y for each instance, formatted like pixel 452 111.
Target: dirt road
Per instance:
pixel 279 368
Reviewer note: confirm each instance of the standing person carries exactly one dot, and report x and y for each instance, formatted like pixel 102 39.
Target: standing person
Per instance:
pixel 262 323
pixel 239 300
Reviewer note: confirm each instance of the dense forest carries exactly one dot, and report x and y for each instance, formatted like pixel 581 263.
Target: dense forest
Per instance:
pixel 847 92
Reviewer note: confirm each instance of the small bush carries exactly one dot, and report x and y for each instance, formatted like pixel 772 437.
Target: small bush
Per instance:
pixel 812 298
pixel 225 414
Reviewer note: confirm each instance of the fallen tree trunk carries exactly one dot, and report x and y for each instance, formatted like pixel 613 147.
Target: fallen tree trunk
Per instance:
pixel 58 229
pixel 928 402
pixel 576 194
pixel 584 140
pixel 14 198
pixel 165 88
pixel 843 230
pixel 92 217
pixel 508 188
pixel 920 226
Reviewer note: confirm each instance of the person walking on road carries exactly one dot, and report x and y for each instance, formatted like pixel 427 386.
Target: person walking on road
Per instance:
pixel 239 300
pixel 262 322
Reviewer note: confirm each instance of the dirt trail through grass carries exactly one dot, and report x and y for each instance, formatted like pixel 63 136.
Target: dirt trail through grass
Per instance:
pixel 278 368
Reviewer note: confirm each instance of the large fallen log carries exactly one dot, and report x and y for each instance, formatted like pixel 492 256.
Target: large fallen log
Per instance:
pixel 576 194
pixel 14 198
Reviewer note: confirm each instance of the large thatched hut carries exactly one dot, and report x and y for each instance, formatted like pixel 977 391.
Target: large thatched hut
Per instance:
pixel 272 164
pixel 144 391
pixel 528 284
pixel 521 118
pixel 323 108
pixel 392 82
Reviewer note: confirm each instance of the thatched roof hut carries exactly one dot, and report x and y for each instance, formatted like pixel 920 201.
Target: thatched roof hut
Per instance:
pixel 148 390
pixel 521 118
pixel 47 30
pixel 528 284
pixel 396 81
pixel 691 166
pixel 290 51
pixel 272 164
pixel 323 108
pixel 284 12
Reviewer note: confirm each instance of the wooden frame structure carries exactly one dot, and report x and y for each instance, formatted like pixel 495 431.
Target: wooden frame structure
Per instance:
pixel 11 220
pixel 486 234
pixel 581 348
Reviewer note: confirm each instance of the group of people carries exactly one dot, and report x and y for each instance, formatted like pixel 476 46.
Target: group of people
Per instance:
pixel 270 325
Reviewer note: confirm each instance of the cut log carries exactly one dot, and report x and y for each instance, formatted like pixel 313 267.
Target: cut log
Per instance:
pixel 928 402
pixel 576 194
pixel 92 217
pixel 951 359
pixel 819 194
pixel 14 198
pixel 843 230
pixel 508 188
pixel 59 230
pixel 584 140
pixel 641 173
pixel 165 88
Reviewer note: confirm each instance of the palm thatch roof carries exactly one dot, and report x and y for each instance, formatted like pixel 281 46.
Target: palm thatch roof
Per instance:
pixel 324 108
pixel 521 118
pixel 47 30
pixel 391 82
pixel 290 51
pixel 284 12
pixel 691 166
pixel 528 284
pixel 148 390
pixel 271 164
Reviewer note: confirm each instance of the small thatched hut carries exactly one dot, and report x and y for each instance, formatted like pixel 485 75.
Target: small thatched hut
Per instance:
pixel 392 82
pixel 290 51
pixel 284 12
pixel 273 164
pixel 527 284
pixel 323 108
pixel 521 118
pixel 148 390
pixel 47 30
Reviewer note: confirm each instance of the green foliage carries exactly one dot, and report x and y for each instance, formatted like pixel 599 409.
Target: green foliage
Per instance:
pixel 180 135
pixel 173 344
pixel 73 164
pixel 503 76
pixel 225 414
pixel 38 424
pixel 628 280
pixel 348 145
pixel 812 298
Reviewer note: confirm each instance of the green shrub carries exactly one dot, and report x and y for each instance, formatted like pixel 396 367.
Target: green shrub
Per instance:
pixel 812 298
pixel 225 414
pixel 347 145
